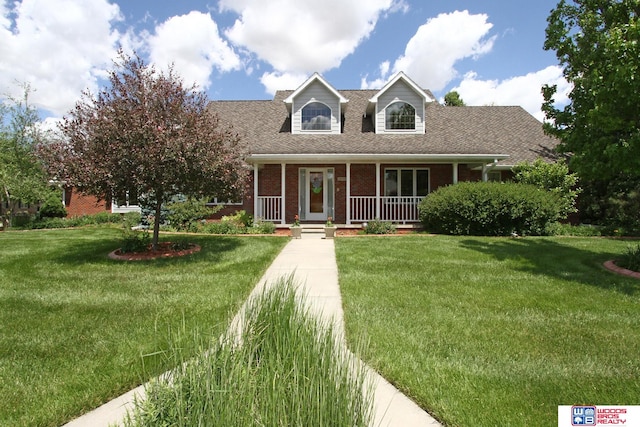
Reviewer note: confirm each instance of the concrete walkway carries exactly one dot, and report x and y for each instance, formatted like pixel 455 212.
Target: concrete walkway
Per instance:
pixel 312 261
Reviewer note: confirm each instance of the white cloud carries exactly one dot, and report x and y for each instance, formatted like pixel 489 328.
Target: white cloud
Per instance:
pixel 281 81
pixel 58 47
pixel 431 54
pixel 192 43
pixel 303 36
pixel 524 91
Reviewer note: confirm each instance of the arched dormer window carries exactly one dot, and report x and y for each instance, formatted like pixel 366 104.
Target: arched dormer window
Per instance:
pixel 400 116
pixel 316 116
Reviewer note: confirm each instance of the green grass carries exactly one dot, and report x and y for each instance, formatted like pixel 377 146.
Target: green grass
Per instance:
pixel 77 329
pixel 283 367
pixel 495 331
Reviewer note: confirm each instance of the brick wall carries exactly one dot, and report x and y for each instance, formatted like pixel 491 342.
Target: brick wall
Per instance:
pixel 78 204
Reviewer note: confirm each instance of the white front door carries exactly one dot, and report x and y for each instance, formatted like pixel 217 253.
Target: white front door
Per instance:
pixel 316 208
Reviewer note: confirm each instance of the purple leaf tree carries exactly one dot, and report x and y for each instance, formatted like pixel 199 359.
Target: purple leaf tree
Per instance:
pixel 146 133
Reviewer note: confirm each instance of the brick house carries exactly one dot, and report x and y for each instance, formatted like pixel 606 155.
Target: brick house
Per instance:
pixel 360 155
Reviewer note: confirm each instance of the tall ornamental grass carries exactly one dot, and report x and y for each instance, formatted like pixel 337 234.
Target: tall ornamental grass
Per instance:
pixel 282 367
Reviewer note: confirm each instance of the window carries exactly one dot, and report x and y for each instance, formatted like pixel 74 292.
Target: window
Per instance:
pixel 406 182
pixel 316 116
pixel 494 176
pixel 128 199
pixel 400 116
pixel 220 201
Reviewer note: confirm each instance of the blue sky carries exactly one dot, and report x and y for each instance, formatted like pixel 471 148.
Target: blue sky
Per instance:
pixel 489 51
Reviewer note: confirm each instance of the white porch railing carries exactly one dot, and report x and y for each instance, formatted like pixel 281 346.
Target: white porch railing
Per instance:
pixel 269 208
pixel 400 209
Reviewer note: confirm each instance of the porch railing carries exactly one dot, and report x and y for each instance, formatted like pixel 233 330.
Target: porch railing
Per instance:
pixel 270 208
pixel 400 209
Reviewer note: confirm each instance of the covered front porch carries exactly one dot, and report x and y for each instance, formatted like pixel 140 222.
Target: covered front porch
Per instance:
pixel 356 189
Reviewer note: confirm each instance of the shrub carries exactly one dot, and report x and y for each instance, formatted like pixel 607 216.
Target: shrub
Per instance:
pixel 185 215
pixel 379 227
pixel 134 241
pixel 262 227
pixel 631 259
pixel 553 177
pixel 559 229
pixel 489 209
pixel 52 206
pixel 240 218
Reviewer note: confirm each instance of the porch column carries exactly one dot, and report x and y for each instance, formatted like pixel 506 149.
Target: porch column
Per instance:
pixel 484 172
pixel 255 191
pixel 348 165
pixel 283 169
pixel 455 173
pixel 377 191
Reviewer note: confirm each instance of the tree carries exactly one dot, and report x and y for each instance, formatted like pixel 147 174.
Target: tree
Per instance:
pixel 552 177
pixel 598 43
pixel 22 177
pixel 452 99
pixel 147 134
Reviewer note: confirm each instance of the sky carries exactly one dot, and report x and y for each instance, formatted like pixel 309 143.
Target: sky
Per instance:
pixel 490 51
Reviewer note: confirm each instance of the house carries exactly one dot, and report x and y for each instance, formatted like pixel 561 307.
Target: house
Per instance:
pixel 360 155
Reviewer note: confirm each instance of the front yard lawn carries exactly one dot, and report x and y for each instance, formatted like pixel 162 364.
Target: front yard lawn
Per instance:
pixel 77 329
pixel 494 331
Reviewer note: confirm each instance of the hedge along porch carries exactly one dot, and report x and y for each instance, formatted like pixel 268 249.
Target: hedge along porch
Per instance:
pixel 389 189
pixel 360 155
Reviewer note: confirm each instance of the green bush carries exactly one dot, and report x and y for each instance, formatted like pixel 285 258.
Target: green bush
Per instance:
pixel 489 209
pixel 553 177
pixel 379 227
pixel 262 227
pixel 186 215
pixel 240 218
pixel 52 206
pixel 134 241
pixel 631 259
pixel 559 229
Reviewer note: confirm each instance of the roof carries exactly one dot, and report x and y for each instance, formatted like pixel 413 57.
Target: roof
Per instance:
pixel 509 134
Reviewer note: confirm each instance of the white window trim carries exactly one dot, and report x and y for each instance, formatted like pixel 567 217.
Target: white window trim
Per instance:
pixel 313 101
pixel 388 130
pixel 217 202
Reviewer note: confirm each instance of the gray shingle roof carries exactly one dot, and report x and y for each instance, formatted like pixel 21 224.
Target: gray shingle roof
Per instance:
pixel 266 128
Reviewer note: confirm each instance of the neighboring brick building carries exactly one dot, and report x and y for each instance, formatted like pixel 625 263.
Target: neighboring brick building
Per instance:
pixel 359 155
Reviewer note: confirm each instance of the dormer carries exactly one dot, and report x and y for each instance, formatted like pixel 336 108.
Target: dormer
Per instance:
pixel 316 107
pixel 399 107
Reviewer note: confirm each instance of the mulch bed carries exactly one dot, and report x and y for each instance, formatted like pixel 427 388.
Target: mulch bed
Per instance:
pixel 163 250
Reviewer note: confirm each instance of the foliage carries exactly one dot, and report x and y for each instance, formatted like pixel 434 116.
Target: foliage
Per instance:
pixel 261 227
pixel 631 259
pixel 240 218
pixel 453 99
pixel 489 208
pixel 134 241
pixel 614 204
pixel 560 229
pixel 22 177
pixel 185 214
pixel 553 177
pixel 52 206
pixel 379 227
pixel 282 367
pixel 146 133
pixel 296 221
pixel 598 43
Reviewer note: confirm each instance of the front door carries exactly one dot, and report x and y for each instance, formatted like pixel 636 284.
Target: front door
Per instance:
pixel 316 195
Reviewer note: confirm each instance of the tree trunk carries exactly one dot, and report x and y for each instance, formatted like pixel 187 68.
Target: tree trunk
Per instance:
pixel 156 224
